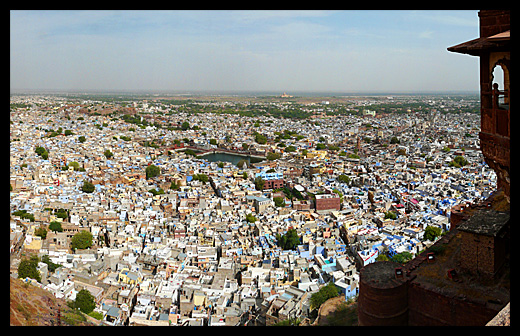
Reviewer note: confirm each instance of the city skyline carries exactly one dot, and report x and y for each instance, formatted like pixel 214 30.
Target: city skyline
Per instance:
pixel 293 51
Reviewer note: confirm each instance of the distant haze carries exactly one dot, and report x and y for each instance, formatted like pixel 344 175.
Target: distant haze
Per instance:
pixel 274 51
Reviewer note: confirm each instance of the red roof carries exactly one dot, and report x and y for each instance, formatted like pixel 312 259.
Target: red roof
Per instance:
pixel 475 46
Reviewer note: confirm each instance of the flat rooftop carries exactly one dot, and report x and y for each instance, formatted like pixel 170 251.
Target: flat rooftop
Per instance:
pixel 485 222
pixel 434 275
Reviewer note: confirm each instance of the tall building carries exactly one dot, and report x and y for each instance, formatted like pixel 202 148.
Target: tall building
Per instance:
pixel 327 202
pixel 493 48
pixel 463 279
pixel 273 180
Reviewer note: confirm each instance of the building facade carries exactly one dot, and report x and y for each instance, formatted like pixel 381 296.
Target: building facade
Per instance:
pixel 494 51
pixel 327 202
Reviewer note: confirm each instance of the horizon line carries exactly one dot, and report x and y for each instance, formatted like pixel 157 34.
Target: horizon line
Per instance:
pixel 185 92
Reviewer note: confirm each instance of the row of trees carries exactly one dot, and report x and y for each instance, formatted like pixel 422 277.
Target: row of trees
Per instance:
pixel 59 132
pixel 201 177
pixel 28 268
pixel 151 171
pixel 24 215
pixel 53 226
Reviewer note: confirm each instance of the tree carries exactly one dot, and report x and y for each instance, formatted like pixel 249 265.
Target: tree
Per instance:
pixel 290 149
pixel 273 156
pixel 29 268
pixel 152 171
pixel 260 139
pixel 85 301
pixel 190 152
pixel 402 257
pixel 156 192
pixel 87 187
pixel 295 193
pixel 74 165
pixel 81 240
pixel 24 214
pixel 326 292
pixel 339 193
pixel 50 265
pixel 320 146
pixel 344 179
pixel 201 177
pixel 279 202
pixel 41 232
pixel 289 240
pixel 250 218
pixel 108 153
pixel 42 152
pixel 259 183
pixel 175 186
pixel 394 140
pixel 62 213
pixel 432 232
pixel 458 162
pixel 82 139
pixel 185 126
pixel 391 215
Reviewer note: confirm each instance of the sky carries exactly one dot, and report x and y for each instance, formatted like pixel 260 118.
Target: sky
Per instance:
pixel 233 50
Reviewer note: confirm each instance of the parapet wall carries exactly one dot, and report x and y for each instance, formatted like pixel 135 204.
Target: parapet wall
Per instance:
pixel 431 307
pixel 494 21
pixel 425 292
pixel 383 298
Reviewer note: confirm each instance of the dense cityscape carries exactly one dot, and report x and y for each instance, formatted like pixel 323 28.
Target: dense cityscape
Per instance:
pixel 231 210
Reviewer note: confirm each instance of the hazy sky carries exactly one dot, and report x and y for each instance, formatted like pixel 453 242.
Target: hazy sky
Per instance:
pixel 308 50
